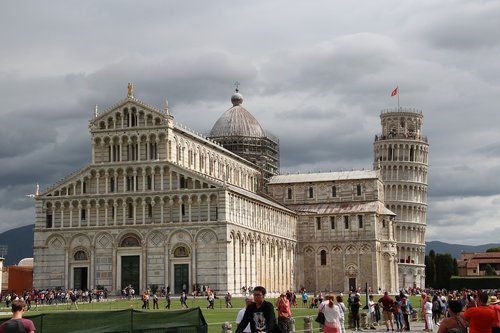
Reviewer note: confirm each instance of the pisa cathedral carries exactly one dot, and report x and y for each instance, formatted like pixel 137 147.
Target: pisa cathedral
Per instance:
pixel 162 205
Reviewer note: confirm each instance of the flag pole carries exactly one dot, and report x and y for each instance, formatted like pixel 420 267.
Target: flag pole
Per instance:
pixel 398 96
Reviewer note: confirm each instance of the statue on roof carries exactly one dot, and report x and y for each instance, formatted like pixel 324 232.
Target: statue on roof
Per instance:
pixel 130 90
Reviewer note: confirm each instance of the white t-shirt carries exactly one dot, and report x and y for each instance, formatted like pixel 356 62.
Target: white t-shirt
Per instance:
pixel 239 318
pixel 428 307
pixel 371 306
pixel 332 314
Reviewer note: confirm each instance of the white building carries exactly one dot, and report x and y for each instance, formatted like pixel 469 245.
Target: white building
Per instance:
pixel 160 204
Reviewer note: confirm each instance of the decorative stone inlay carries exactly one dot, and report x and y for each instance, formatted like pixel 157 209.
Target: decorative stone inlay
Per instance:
pixel 156 239
pixel 56 243
pixel 103 242
pixel 207 237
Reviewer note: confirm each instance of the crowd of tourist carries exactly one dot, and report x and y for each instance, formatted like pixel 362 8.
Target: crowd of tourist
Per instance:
pixel 441 311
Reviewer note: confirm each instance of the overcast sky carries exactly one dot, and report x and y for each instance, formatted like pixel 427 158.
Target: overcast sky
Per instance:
pixel 314 73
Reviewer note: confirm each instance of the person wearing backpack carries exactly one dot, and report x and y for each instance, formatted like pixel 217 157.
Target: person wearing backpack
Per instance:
pixel 18 324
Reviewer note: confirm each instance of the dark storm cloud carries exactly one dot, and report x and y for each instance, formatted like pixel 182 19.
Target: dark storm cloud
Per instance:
pixel 316 75
pixel 471 25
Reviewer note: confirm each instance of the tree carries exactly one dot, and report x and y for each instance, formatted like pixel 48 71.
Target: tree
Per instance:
pixel 430 269
pixel 444 270
pixel 489 271
pixel 493 249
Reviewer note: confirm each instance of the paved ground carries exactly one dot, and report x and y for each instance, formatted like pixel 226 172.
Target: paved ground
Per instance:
pixel 416 326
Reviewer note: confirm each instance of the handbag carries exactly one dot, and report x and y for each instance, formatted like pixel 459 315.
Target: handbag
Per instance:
pixel 320 318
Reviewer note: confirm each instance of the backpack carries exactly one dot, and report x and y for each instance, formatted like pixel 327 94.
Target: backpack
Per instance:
pixel 14 326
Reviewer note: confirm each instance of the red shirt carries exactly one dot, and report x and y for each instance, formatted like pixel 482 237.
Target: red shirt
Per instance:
pixel 387 302
pixel 496 308
pixel 480 319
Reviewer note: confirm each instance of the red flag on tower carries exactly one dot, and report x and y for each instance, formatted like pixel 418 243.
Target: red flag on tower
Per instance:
pixel 394 92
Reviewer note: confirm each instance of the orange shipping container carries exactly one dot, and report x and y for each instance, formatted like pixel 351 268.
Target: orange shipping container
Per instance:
pixel 20 279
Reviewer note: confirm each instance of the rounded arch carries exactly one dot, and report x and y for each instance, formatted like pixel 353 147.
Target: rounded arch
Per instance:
pixel 129 239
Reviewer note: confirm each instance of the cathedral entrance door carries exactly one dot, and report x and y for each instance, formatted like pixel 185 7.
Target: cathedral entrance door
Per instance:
pixel 80 278
pixel 181 278
pixel 130 272
pixel 352 284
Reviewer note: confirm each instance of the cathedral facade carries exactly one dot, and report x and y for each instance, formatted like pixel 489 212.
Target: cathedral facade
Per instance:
pixel 162 205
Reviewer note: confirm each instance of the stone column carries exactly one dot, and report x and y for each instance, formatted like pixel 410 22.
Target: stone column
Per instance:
pixel 114 270
pixel 97 176
pixel 97 206
pixel 66 267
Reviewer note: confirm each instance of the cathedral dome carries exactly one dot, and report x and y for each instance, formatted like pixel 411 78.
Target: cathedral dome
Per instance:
pixel 237 121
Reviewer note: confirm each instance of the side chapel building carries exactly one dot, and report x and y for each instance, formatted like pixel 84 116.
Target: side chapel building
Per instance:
pixel 160 204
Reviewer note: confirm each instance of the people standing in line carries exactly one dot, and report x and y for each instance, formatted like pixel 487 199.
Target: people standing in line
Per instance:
pixel 332 315
pixel 17 323
pixel 284 313
pixel 428 315
pixel 342 310
pixel 481 317
pixel 260 314
pixel 355 307
pixel 455 323
pixel 241 313
pixel 387 309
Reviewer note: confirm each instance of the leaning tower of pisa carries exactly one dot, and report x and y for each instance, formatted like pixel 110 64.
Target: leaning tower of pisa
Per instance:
pixel 401 154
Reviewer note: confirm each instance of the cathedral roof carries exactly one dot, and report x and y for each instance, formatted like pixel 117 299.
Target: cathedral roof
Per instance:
pixel 323 176
pixel 344 208
pixel 237 121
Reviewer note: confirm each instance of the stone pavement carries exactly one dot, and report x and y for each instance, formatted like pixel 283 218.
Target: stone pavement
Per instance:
pixel 415 326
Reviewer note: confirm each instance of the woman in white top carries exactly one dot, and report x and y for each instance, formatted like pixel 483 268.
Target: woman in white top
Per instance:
pixel 332 315
pixel 428 315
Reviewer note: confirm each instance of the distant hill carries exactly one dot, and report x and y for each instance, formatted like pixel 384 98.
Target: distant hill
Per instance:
pixel 456 249
pixel 19 242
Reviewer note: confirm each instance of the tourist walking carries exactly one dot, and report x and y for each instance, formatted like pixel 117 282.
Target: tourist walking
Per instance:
pixel 284 313
pixel 228 299
pixel 355 307
pixel 387 309
pixel 454 323
pixel 260 314
pixel 184 300
pixel 168 300
pixel 342 310
pixel 481 317
pixel 428 315
pixel 495 305
pixel 406 311
pixel 241 313
pixel 332 315
pixel 398 316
